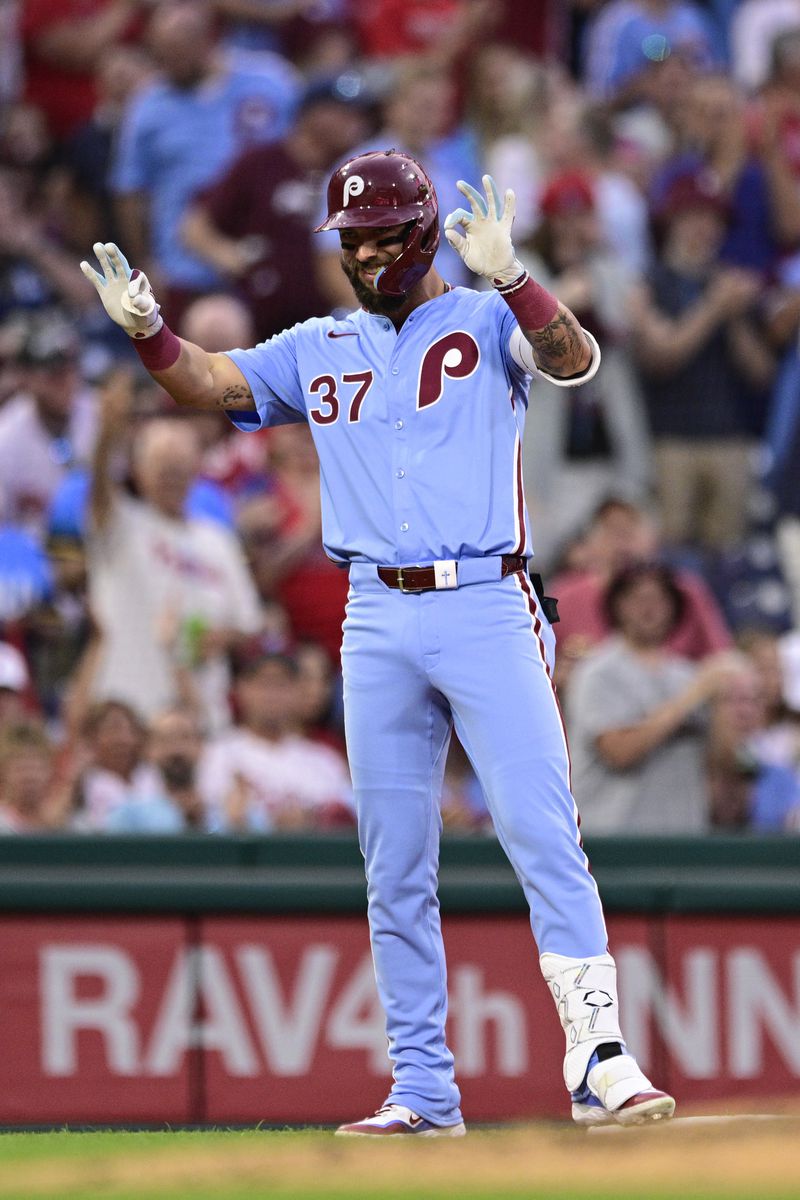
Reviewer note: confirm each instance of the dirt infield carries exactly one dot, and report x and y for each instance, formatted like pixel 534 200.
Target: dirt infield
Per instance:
pixel 689 1159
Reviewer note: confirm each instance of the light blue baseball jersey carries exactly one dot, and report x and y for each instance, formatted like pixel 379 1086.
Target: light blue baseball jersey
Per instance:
pixel 418 432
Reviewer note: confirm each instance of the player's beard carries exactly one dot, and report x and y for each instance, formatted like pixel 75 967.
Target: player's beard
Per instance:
pixel 372 301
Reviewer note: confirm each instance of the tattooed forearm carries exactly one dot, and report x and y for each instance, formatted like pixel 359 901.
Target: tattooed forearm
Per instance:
pixel 560 348
pixel 234 397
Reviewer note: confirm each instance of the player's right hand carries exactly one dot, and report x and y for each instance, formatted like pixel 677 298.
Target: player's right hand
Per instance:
pixel 126 294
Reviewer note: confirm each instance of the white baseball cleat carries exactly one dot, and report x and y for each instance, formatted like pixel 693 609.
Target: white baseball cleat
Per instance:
pixel 616 1091
pixel 397 1120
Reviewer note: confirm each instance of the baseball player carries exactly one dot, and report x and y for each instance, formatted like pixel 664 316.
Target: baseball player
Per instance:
pixel 417 404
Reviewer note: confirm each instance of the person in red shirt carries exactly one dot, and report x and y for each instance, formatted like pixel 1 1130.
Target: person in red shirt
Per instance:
pixel 62 44
pixel 391 28
pixel 281 531
pixel 620 534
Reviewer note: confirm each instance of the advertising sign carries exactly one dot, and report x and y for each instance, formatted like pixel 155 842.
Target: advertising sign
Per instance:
pixel 276 1019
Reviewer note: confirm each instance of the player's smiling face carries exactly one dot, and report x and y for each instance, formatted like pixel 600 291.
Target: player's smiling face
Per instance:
pixel 365 252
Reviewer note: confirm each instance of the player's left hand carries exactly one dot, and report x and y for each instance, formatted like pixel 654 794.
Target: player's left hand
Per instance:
pixel 485 244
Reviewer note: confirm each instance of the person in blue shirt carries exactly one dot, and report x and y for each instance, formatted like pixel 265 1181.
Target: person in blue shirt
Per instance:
pixel 182 131
pixel 26 579
pixel 626 36
pixel 750 786
pixel 174 749
pixel 416 402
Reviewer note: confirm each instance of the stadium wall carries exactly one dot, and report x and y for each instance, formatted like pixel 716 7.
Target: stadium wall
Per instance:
pixel 196 980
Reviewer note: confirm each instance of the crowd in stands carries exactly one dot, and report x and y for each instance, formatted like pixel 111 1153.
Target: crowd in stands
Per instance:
pixel 170 626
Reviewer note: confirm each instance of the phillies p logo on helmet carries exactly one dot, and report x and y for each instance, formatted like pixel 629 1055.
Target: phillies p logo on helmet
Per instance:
pixel 353 186
pixel 381 189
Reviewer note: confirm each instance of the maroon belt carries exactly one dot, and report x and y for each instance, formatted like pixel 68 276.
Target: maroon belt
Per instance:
pixel 423 579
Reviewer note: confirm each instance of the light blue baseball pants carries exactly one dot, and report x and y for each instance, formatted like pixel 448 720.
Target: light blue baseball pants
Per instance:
pixel 478 658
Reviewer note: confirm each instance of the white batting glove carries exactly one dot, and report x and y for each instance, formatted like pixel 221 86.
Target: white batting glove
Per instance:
pixel 485 245
pixel 126 294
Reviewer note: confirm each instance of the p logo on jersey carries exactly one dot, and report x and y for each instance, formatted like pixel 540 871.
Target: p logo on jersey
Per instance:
pixel 353 186
pixel 455 356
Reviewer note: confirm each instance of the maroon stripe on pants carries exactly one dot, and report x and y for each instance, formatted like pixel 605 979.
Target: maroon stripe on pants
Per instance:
pixel 537 629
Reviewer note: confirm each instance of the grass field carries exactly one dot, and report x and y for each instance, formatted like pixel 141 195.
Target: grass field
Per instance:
pixel 686 1160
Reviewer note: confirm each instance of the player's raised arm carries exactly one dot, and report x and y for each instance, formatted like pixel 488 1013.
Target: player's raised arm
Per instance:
pixel 188 373
pixel 560 346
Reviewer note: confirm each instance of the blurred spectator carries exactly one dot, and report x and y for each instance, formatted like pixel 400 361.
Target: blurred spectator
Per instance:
pixel 29 157
pixel 635 713
pixel 418 116
pixel 48 427
pixel 620 535
pixel 26 578
pixel 702 358
pixel 579 448
pixel 775 117
pixel 234 464
pixel 218 322
pixel 782 437
pixel 174 748
pixel 463 802
pixel 181 132
pixel 10 52
pixel 782 310
pixel 28 787
pixel 590 145
pixel 508 103
pixel 331 50
pixel 275 635
pixel 626 35
pixel 748 581
pixel 778 740
pixel 254 226
pixel 282 534
pixel 35 271
pixel 778 100
pixel 789 654
pixel 88 152
pixel 170 591
pixel 646 126
pixel 208 495
pixel 109 766
pixel 261 774
pixel 746 790
pixel 57 629
pixel 439 30
pixel 258 24
pixel 752 182
pixel 14 684
pixel 754 27
pixel 319 700
pixel 63 43
pixel 294 28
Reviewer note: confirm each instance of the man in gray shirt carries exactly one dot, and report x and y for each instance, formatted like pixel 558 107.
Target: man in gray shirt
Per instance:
pixel 635 715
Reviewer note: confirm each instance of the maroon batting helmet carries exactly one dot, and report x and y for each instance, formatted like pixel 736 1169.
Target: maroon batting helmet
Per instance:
pixel 386 187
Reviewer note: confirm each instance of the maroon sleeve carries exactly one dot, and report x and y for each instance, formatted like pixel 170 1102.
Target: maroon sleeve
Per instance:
pixel 228 199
